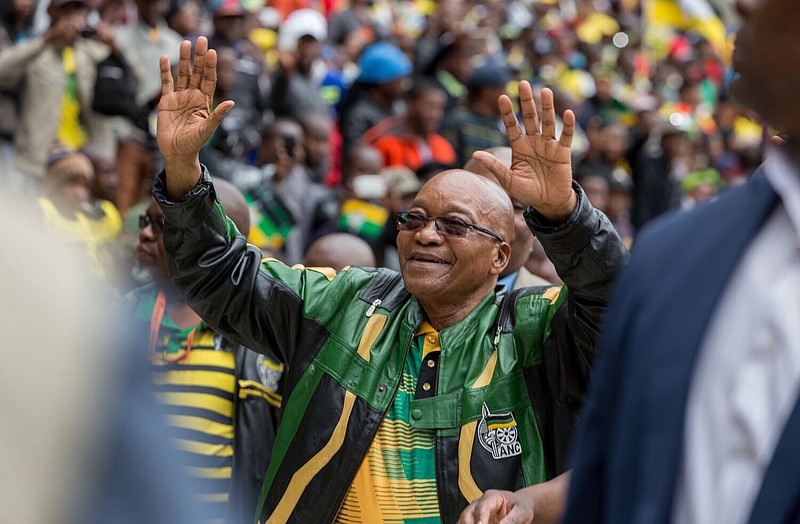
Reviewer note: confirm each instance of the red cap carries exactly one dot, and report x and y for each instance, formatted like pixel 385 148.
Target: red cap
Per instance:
pixel 230 8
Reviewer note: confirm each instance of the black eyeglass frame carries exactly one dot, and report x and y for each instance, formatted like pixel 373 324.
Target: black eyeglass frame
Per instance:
pixel 440 223
pixel 147 220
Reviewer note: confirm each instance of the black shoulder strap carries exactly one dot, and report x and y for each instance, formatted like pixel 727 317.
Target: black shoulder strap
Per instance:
pixel 387 288
pixel 507 301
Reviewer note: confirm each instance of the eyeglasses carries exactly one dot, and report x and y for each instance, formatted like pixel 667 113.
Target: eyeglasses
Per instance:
pixel 446 226
pixel 147 220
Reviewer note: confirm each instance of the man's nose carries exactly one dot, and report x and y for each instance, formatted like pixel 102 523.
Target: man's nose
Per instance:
pixel 428 233
pixel 146 233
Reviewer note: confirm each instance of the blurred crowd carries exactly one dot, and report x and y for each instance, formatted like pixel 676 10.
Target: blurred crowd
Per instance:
pixel 344 108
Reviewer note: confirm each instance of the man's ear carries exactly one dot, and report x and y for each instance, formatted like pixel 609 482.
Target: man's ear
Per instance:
pixel 501 257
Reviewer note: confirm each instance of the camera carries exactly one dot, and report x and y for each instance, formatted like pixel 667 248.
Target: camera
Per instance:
pixel 289 144
pixel 88 32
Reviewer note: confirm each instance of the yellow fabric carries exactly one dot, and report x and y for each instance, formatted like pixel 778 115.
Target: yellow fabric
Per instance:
pixel 466 483
pixel 94 234
pixel 670 14
pixel 108 226
pixel 370 335
pixel 596 26
pixel 71 132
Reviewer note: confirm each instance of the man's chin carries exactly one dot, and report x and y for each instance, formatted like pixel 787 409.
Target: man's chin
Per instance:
pixel 143 273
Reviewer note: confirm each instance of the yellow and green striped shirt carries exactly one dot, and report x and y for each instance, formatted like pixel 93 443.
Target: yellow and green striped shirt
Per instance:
pixel 397 480
pixel 198 395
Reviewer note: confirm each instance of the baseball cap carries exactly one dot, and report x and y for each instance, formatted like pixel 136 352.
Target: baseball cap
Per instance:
pixel 229 8
pixel 381 63
pixel 489 75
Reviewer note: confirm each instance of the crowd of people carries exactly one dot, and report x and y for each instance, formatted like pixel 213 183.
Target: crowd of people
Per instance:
pixel 343 110
pixel 342 229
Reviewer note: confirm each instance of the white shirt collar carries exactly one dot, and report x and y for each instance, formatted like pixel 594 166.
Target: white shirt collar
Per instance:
pixel 783 174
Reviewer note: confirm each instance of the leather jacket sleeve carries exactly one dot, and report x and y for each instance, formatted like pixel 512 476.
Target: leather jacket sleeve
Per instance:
pixel 261 304
pixel 587 253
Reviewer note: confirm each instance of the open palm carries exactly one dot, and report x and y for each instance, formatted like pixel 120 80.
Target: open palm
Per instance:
pixel 185 118
pixel 541 169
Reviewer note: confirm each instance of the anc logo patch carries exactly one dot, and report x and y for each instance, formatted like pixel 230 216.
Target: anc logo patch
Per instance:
pixel 498 434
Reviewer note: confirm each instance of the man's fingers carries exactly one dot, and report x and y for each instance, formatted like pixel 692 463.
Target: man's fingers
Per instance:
pixel 183 66
pixel 490 507
pixel 166 76
pixel 509 118
pixel 568 130
pixel 200 51
pixel 517 515
pixel 209 82
pixel 496 167
pixel 213 121
pixel 487 508
pixel 530 116
pixel 548 114
pixel 468 515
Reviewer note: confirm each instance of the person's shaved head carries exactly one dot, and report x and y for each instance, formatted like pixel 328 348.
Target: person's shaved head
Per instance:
pixel 339 250
pixel 502 153
pixel 235 205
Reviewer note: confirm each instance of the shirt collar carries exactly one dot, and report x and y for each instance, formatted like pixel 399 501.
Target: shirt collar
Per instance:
pixel 783 172
pixel 508 281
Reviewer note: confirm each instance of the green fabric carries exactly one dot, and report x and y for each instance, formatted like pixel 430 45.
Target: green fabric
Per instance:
pixel 144 311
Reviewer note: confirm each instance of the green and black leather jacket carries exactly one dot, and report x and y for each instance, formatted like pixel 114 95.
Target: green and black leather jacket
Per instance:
pixel 510 378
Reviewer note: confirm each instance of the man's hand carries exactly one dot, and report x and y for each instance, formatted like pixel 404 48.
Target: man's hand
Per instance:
pixel 106 35
pixel 185 119
pixel 539 504
pixel 541 166
pixel 494 507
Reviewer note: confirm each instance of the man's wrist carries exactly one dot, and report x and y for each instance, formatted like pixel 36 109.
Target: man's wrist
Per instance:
pixel 560 214
pixel 182 176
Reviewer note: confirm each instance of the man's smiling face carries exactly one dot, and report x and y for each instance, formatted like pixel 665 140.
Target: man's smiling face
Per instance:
pixel 439 267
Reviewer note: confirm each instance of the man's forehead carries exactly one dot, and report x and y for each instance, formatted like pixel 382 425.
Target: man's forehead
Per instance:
pixel 455 191
pixel 444 204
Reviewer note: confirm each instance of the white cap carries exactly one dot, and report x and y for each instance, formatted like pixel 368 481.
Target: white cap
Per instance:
pixel 299 24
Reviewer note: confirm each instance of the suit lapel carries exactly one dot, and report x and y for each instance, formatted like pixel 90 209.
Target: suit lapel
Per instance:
pixel 719 234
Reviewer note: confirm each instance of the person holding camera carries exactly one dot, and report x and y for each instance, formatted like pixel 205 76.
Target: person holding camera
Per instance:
pixel 55 75
pixel 289 209
pixel 142 43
